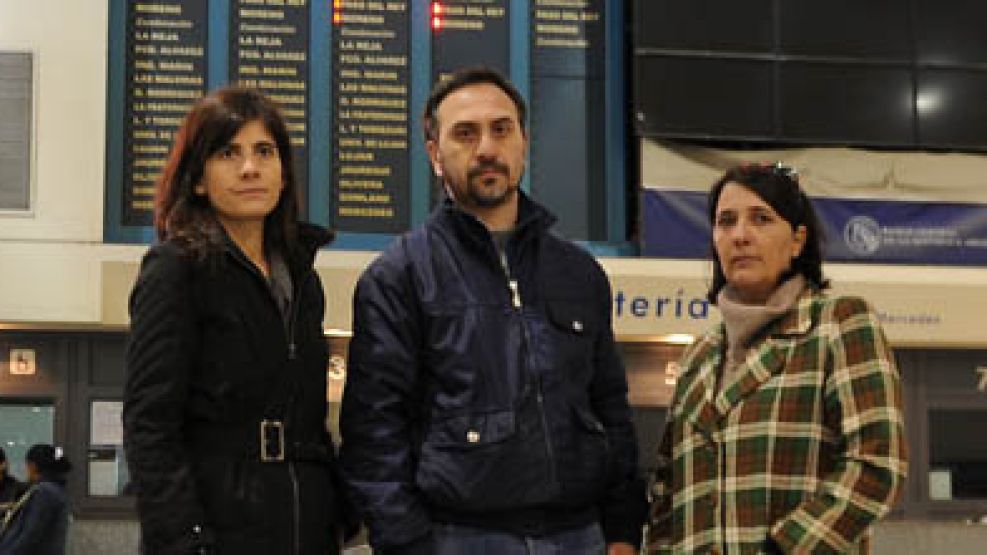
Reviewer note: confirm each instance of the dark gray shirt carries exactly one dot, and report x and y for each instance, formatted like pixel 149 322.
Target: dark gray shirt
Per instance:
pixel 280 283
pixel 500 239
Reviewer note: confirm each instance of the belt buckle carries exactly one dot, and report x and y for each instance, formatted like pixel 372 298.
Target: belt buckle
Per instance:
pixel 271 441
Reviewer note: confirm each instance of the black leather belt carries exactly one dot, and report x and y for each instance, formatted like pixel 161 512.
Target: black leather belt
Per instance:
pixel 267 441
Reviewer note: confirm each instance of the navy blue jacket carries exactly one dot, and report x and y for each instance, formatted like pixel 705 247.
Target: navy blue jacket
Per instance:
pixel 483 397
pixel 40 524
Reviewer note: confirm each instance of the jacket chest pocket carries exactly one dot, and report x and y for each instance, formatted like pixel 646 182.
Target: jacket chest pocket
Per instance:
pixel 573 330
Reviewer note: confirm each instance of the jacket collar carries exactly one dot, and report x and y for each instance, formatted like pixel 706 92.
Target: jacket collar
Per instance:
pixel 698 386
pixel 310 238
pixel 532 219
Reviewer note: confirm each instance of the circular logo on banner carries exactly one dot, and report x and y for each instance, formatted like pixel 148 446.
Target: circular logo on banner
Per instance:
pixel 862 235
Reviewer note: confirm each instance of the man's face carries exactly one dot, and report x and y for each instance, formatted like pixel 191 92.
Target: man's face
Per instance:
pixel 478 146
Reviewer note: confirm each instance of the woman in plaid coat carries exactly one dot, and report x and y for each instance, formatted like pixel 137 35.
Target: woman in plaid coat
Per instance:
pixel 785 433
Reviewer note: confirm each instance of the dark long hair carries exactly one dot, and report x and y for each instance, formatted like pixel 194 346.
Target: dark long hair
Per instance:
pixel 181 215
pixel 778 186
pixel 51 463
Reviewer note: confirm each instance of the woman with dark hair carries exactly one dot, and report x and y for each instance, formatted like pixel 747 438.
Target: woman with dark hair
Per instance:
pixel 224 403
pixel 785 431
pixel 38 523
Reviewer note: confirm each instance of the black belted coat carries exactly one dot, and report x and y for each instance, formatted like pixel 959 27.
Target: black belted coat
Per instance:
pixel 211 358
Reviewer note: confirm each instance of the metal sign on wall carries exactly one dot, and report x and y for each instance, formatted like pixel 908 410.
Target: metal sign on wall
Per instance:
pixel 675 225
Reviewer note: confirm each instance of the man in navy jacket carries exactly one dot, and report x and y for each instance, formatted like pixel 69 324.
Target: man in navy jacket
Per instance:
pixel 485 409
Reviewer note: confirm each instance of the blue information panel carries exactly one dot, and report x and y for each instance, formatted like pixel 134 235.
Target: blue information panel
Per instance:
pixel 268 50
pixel 370 155
pixel 568 139
pixel 470 33
pixel 352 78
pixel 165 74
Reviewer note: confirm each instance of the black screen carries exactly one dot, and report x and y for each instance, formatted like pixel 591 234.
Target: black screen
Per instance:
pixel 845 28
pixel 704 96
pixel 951 31
pixel 952 111
pixel 723 25
pixel 856 104
pixel 835 71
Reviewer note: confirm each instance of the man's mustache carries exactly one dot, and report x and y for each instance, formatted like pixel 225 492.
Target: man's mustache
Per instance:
pixel 483 167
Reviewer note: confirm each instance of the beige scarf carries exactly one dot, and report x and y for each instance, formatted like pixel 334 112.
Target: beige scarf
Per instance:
pixel 744 321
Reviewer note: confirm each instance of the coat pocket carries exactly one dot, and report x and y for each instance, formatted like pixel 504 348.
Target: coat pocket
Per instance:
pixel 571 333
pixel 572 317
pixel 585 461
pixel 232 494
pixel 474 462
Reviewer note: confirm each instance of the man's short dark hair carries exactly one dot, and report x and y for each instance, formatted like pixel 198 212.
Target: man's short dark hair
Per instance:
pixel 464 78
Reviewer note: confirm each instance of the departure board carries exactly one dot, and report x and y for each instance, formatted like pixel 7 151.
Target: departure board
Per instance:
pixel 568 38
pixel 165 74
pixel 370 116
pixel 568 55
pixel 351 78
pixel 470 33
pixel 269 51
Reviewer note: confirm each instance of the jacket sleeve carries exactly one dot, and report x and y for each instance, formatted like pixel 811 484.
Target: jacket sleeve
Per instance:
pixel 30 524
pixel 624 507
pixel 380 408
pixel 863 405
pixel 162 343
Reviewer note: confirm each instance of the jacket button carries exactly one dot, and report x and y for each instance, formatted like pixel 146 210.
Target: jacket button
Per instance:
pixel 472 436
pixel 577 325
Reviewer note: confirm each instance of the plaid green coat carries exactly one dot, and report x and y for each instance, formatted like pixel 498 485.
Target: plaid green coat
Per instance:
pixel 804 444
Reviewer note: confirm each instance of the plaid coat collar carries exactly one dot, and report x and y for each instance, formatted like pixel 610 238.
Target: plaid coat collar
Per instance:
pixel 699 405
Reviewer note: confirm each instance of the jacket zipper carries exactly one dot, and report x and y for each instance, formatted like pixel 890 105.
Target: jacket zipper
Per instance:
pixel 512 285
pixel 289 328
pixel 293 319
pixel 296 532
pixel 515 294
pixel 540 396
pixel 292 355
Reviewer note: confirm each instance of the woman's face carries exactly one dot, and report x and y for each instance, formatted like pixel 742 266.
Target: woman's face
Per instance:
pixel 753 243
pixel 243 180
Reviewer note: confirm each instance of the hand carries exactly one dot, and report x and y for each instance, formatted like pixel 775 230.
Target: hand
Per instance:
pixel 621 549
